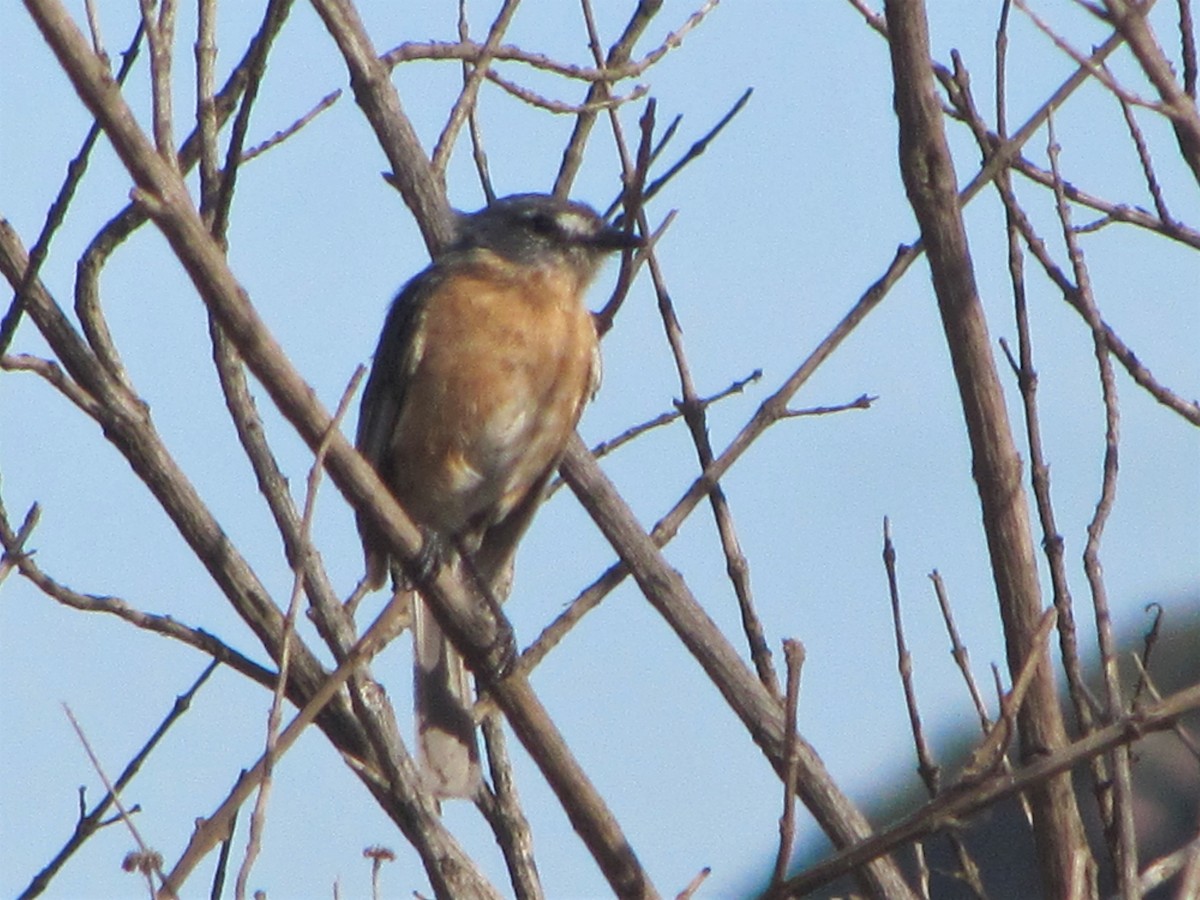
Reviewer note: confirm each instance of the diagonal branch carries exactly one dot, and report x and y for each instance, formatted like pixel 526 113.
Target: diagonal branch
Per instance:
pixel 761 714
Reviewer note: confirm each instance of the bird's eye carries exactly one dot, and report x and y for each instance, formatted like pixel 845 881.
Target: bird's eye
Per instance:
pixel 543 223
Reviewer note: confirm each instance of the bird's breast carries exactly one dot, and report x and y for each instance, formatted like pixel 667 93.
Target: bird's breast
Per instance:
pixel 504 369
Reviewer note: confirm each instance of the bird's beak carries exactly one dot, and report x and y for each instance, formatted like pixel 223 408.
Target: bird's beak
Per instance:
pixel 610 238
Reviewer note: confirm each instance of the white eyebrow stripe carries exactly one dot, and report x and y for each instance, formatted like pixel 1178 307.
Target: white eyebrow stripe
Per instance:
pixel 575 224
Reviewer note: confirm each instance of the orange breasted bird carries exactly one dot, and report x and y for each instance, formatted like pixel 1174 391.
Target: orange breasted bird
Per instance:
pixel 486 360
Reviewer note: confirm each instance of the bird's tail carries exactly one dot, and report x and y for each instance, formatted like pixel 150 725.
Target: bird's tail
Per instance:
pixel 448 748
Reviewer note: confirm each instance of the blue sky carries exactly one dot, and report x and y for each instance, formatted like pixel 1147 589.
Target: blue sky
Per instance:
pixel 789 216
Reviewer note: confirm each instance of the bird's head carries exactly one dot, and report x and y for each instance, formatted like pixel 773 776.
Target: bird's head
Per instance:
pixel 541 230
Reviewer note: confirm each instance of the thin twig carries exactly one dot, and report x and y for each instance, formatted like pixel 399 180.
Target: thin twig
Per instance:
pixel 697 149
pixel 694 885
pixel 93 20
pixel 655 152
pixel 164 625
pixel 478 153
pixel 793 654
pixel 605 447
pixel 378 855
pixel 959 652
pixel 160 35
pixel 561 107
pixel 1130 21
pixel 1143 152
pixel 283 134
pixel 212 829
pixel 630 266
pixel 473 76
pixel 1189 410
pixel 988 757
pixel 1167 867
pixel 736 564
pixel 502 809
pixel 333 622
pixel 92 821
pixel 53 374
pixel 475 54
pixel 115 794
pixel 222 867
pixel 862 401
pixel 633 183
pixel 57 212
pixel 1149 642
pixel 876 20
pixel 1187 41
pixel 14 544
pixel 553 633
pixel 206 110
pixel 1190 741
pixel 256 66
pixel 968 870
pixel 1123 834
pixel 618 54
pixel 929 771
pixel 1112 212
pixel 315 473
pixel 1095 69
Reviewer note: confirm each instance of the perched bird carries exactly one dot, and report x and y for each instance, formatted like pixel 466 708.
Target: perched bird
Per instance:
pixel 486 360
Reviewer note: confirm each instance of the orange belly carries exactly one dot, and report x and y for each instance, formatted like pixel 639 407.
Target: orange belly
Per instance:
pixel 501 378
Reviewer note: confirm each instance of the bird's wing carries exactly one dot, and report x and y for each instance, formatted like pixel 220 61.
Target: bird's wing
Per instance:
pixel 395 359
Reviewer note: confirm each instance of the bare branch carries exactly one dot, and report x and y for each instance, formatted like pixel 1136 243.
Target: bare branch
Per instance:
pixel 736 564
pixel 412 173
pixel 212 829
pixel 283 134
pixel 58 209
pixel 53 374
pixel 14 555
pixel 1167 867
pixel 618 54
pixel 92 821
pixel 114 793
pixel 533 98
pixel 270 752
pixel 759 711
pixel 1143 152
pixel 472 78
pixel 14 543
pixel 160 35
pixel 1123 837
pixel 503 811
pixel 957 805
pixel 929 771
pixel 694 885
pixel 1175 103
pixel 605 447
pixel 793 654
pixel 929 179
pixel 1187 40
pixel 961 657
pixel 477 54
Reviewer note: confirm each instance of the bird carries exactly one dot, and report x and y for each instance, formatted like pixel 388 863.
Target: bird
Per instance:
pixel 483 367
